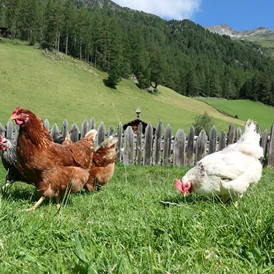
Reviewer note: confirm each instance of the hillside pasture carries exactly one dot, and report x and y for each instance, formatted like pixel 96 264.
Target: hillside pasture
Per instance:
pixel 58 87
pixel 245 110
pixel 138 223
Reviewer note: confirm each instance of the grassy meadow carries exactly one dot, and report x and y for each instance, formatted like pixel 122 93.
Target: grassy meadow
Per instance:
pixel 60 87
pixel 126 228
pixel 245 109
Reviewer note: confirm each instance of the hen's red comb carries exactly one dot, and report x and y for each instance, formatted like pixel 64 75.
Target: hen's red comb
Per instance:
pixel 17 109
pixel 1 138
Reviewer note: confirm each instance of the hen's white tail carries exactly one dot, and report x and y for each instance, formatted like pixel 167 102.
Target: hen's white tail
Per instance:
pixel 249 142
pixel 251 134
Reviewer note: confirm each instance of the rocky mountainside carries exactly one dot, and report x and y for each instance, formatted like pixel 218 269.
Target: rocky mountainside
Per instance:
pixel 226 30
pixel 259 34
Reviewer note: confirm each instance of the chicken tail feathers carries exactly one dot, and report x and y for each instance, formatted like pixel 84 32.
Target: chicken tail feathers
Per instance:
pixel 90 135
pixel 251 133
pixel 110 142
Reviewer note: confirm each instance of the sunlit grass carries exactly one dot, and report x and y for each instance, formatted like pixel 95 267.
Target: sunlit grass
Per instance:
pixel 125 228
pixel 60 87
pixel 245 110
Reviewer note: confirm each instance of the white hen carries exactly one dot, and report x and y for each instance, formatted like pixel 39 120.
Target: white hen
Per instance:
pixel 229 172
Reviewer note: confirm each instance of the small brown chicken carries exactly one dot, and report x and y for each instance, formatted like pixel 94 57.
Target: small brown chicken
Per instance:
pixel 51 167
pixel 103 163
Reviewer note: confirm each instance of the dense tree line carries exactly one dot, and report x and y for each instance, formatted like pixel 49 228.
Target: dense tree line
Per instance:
pixel 178 54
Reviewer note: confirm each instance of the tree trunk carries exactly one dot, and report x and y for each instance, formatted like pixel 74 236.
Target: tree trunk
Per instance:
pixel 67 45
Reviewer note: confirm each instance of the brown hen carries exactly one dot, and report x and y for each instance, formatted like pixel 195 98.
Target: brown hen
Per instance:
pixel 52 168
pixel 103 163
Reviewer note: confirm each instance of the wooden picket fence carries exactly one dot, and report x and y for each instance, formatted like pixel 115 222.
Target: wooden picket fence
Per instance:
pixel 155 149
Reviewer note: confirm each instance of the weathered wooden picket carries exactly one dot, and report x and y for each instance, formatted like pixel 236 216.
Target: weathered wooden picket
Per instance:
pixel 155 149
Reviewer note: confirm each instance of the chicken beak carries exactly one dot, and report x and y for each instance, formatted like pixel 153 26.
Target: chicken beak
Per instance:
pixel 12 117
pixel 184 194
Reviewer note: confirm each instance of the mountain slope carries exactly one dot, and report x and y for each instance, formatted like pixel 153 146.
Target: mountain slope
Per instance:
pixel 59 88
pixel 261 35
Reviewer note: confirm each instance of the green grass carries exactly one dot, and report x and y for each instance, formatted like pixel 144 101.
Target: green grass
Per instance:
pixel 245 110
pixel 59 88
pixel 125 228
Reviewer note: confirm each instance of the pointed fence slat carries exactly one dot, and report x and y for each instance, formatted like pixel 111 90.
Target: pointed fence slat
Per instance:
pixel 2 130
pixel 92 123
pixel 230 134
pixel 9 129
pixel 264 144
pixel 201 146
pixel 128 155
pixel 190 147
pixel 271 148
pixel 65 128
pixel 54 133
pixel 222 140
pixel 139 144
pixel 148 144
pixel 84 128
pixel 212 140
pixel 119 142
pixel 16 131
pixel 46 124
pixel 101 133
pixel 157 143
pixel 139 152
pixel 167 146
pixel 74 133
pixel 111 131
pixel 238 133
pixel 179 148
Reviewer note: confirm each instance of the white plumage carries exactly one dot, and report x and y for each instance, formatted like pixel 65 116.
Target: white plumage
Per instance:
pixel 229 172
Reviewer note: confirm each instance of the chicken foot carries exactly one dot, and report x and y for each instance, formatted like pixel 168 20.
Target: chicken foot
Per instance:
pixel 39 202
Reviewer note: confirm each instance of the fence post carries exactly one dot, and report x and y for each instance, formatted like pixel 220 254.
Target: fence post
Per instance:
pixel 46 124
pixel 74 133
pixel 238 133
pixel 111 131
pixel 9 130
pixel 222 140
pixel 101 133
pixel 92 123
pixel 212 140
pixel 190 147
pixel 201 145
pixel 230 135
pixel 65 128
pixel 264 144
pixel 2 130
pixel 128 147
pixel 54 133
pixel 271 148
pixel 167 146
pixel 119 143
pixel 84 128
pixel 148 144
pixel 157 143
pixel 139 144
pixel 179 148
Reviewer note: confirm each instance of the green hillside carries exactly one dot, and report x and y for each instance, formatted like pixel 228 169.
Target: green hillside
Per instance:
pixel 60 87
pixel 244 109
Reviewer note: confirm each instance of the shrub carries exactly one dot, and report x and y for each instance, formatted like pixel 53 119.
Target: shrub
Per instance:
pixel 203 122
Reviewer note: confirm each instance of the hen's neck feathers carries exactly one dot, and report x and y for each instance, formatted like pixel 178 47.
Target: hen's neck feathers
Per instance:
pixel 35 131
